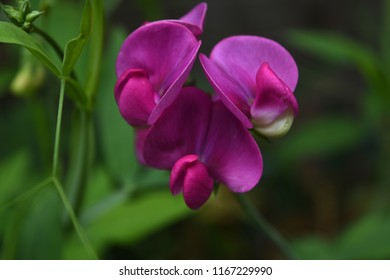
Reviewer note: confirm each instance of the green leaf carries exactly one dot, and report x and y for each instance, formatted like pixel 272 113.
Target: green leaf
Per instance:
pixel 129 222
pixel 367 238
pixel 11 34
pixel 95 51
pixel 75 46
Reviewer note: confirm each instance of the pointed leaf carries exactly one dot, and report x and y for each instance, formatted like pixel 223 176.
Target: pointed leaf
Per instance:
pixel 75 46
pixel 11 34
pixel 95 51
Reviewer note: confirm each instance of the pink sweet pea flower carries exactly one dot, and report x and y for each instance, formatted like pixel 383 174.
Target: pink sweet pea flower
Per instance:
pixel 152 66
pixel 202 142
pixel 255 78
pixel 194 19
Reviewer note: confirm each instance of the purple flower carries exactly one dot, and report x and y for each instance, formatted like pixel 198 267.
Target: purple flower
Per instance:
pixel 202 142
pixel 255 78
pixel 152 66
pixel 194 19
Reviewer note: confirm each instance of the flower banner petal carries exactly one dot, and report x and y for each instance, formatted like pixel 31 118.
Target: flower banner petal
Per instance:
pixel 166 52
pixel 241 57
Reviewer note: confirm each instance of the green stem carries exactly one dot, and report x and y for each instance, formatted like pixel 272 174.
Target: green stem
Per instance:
pixel 73 218
pixel 50 40
pixel 58 128
pixel 95 52
pixel 58 50
pixel 262 225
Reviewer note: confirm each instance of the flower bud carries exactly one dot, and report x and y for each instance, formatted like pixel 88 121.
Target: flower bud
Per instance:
pixel 22 15
pixel 14 15
pixel 33 15
pixel 279 127
pixel 29 78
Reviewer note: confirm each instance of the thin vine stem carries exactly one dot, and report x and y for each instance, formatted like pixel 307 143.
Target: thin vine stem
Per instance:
pixel 73 218
pixel 50 40
pixel 58 128
pixel 57 49
pixel 262 225
pixel 57 183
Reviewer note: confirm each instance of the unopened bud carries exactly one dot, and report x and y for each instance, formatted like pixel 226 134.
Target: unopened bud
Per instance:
pixel 33 15
pixel 29 78
pixel 25 8
pixel 14 15
pixel 279 127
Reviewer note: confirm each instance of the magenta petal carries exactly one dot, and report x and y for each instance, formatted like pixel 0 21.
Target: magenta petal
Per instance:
pixel 166 52
pixel 156 48
pixel 231 154
pixel 191 177
pixel 140 136
pixel 179 130
pixel 194 19
pixel 135 97
pixel 174 82
pixel 273 97
pixel 241 57
pixel 229 91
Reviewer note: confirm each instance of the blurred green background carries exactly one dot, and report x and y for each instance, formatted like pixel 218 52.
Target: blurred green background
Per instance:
pixel 326 184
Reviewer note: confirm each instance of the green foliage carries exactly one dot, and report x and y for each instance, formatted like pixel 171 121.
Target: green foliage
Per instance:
pixel 13 35
pixel 130 221
pixel 95 57
pixel 75 46
pixel 22 15
pixel 365 239
pixel 121 202
pixel 99 196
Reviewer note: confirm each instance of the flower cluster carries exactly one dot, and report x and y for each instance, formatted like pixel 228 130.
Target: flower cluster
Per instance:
pixel 203 139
